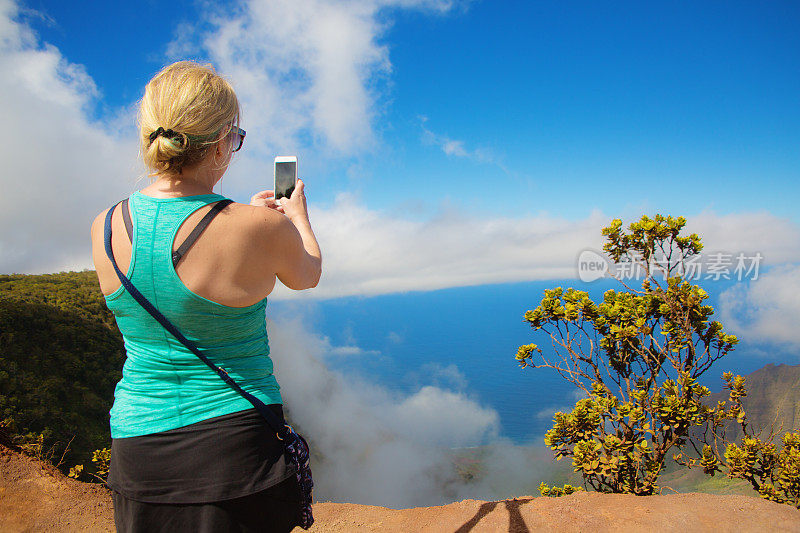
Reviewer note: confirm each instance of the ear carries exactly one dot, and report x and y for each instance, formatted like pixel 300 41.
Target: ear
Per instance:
pixel 219 149
pixel 221 145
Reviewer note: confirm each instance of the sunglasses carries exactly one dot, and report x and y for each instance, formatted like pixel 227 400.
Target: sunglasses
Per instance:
pixel 237 133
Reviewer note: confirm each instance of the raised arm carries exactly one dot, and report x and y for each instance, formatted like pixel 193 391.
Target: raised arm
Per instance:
pixel 297 257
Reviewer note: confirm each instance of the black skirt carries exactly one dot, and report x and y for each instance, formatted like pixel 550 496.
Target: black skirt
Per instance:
pixel 227 473
pixel 272 510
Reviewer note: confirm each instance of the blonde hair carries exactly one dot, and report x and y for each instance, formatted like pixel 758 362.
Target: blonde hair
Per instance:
pixel 193 101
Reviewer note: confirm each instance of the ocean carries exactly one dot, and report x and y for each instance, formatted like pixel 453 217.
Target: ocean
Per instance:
pixel 465 340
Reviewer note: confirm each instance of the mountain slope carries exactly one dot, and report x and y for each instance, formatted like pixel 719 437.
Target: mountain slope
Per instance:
pixel 773 397
pixel 60 358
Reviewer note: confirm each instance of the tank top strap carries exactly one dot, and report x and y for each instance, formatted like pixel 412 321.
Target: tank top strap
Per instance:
pixel 155 224
pixel 198 229
pixel 126 217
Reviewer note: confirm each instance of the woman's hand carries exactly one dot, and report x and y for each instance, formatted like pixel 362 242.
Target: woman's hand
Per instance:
pixel 266 199
pixel 295 206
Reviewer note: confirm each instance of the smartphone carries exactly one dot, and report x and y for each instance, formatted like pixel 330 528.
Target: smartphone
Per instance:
pixel 285 175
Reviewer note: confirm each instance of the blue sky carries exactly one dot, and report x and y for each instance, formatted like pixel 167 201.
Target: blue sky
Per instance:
pixel 458 157
pixel 559 107
pixel 444 144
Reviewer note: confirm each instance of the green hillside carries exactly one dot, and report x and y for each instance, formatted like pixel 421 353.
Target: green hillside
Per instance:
pixel 773 397
pixel 61 355
pixel 773 400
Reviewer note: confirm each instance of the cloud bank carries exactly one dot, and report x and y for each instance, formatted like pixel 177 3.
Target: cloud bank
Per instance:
pixel 778 239
pixel 766 309
pixel 370 252
pixel 60 168
pixel 375 447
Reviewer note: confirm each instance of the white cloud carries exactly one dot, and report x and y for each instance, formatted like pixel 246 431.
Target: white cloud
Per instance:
pixel 377 447
pixel 351 350
pixel 60 168
pixel 438 375
pixel 778 239
pixel 459 248
pixel 446 418
pixel 441 375
pixel 766 309
pixel 369 252
pixel 308 72
pixel 455 147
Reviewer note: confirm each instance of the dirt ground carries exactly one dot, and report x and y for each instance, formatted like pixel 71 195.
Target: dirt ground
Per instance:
pixel 36 497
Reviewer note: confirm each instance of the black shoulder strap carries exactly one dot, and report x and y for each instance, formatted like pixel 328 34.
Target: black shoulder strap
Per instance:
pixel 178 254
pixel 126 216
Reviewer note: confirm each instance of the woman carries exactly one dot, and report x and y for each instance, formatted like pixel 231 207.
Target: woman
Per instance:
pixel 188 452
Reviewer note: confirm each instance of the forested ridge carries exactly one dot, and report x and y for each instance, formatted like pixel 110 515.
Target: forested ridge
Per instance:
pixel 61 355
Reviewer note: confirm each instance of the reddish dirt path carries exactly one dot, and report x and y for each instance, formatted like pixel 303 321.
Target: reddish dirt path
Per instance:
pixel 691 512
pixel 37 497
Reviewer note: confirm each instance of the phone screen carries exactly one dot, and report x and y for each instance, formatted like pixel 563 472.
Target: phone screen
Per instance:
pixel 285 174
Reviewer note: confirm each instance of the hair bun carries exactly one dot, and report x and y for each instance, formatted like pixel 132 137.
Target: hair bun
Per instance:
pixel 197 105
pixel 169 134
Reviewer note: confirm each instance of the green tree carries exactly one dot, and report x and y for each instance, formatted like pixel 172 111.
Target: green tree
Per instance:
pixel 637 355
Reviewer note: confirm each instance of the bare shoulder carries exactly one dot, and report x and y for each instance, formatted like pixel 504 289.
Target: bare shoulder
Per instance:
pixel 260 238
pixel 98 223
pixel 261 222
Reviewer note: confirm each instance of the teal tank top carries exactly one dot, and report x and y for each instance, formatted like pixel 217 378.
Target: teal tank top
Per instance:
pixel 165 386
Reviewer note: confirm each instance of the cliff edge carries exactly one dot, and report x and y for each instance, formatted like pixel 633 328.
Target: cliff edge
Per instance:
pixel 34 496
